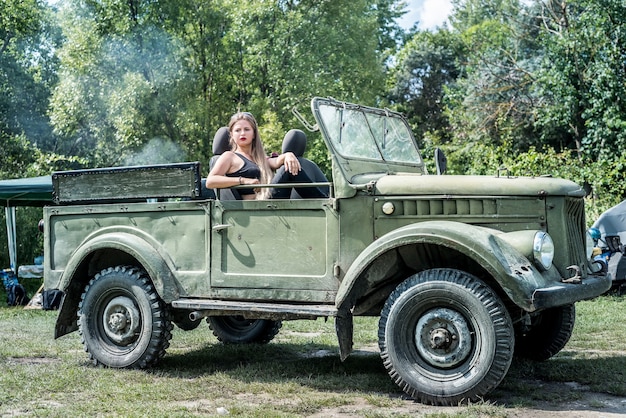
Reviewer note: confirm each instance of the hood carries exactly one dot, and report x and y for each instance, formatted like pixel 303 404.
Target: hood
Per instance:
pixel 411 184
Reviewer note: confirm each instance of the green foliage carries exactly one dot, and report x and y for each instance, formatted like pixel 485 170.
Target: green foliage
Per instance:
pixel 426 65
pixel 16 153
pixel 582 76
pixel 18 19
pixel 27 70
pixel 492 101
pixel 122 90
pixel 124 82
pixel 534 87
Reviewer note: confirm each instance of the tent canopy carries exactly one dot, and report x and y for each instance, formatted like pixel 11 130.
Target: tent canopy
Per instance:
pixel 33 191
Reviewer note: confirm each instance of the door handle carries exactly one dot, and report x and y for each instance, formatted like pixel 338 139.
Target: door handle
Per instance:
pixel 220 227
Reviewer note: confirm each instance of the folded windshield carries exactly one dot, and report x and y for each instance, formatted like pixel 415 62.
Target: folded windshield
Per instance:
pixel 369 133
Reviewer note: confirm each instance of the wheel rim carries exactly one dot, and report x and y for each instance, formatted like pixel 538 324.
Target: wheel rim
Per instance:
pixel 443 338
pixel 121 320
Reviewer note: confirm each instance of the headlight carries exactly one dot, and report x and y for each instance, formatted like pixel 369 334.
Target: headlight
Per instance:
pixel 591 243
pixel 543 249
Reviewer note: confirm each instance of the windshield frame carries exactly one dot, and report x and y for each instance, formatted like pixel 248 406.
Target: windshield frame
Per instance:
pixel 365 140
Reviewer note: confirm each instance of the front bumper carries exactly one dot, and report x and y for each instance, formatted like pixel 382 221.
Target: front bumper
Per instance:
pixel 568 293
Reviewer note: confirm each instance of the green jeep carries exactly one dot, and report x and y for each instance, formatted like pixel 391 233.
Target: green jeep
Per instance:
pixel 463 271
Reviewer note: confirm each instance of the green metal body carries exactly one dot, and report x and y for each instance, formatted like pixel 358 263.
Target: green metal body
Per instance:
pixel 340 256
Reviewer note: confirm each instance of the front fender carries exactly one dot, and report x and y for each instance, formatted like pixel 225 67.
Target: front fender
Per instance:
pixel 515 274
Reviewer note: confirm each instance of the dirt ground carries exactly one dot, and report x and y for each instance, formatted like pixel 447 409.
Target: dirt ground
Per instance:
pixel 505 404
pixel 588 405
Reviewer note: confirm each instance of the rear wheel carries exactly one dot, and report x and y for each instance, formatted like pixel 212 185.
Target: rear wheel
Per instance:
pixel 445 337
pixel 547 334
pixel 239 330
pixel 122 321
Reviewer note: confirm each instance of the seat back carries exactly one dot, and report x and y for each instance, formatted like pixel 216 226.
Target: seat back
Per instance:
pixel 295 141
pixel 221 144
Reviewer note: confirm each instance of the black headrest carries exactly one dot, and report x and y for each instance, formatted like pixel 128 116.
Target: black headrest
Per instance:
pixel 221 141
pixel 295 141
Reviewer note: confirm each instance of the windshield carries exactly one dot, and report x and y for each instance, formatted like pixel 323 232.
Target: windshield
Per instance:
pixel 368 133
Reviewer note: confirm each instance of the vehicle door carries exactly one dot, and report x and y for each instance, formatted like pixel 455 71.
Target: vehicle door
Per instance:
pixel 274 250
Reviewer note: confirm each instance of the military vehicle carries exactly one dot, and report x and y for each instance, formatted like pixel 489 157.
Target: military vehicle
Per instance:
pixel 464 272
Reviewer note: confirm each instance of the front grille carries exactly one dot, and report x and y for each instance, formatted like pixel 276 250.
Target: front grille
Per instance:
pixel 575 216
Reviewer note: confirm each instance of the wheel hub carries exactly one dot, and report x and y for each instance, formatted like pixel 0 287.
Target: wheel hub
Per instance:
pixel 117 322
pixel 121 320
pixel 443 338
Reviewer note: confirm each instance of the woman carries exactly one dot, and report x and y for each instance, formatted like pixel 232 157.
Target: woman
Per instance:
pixel 247 163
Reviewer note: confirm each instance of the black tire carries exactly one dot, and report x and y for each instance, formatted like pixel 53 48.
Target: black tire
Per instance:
pixel 238 330
pixel 445 337
pixel 548 333
pixel 182 320
pixel 122 321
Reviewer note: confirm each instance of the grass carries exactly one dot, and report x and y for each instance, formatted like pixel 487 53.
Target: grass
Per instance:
pixel 594 358
pixel 297 374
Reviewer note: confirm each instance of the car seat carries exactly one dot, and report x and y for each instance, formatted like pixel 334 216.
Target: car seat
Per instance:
pixel 295 141
pixel 221 144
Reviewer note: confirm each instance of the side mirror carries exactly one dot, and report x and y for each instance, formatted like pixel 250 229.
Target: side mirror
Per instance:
pixel 441 162
pixel 587 188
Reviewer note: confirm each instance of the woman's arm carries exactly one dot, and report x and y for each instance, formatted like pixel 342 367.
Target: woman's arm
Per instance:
pixel 217 178
pixel 288 159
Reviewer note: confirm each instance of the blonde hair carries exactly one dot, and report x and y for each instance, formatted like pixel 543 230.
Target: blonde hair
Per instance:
pixel 258 153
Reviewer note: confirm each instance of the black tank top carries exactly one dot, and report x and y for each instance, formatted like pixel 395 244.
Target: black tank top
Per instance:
pixel 249 170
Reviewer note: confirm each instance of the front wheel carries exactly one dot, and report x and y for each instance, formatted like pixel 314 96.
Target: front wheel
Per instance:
pixel 122 321
pixel 239 330
pixel 445 337
pixel 547 334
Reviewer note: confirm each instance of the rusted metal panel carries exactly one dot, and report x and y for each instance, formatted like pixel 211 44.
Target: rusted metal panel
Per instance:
pixel 180 180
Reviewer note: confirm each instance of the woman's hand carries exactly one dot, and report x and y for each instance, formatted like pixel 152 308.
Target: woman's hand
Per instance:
pixel 246 180
pixel 291 163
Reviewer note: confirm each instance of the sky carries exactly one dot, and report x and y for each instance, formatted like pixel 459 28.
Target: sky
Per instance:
pixel 429 13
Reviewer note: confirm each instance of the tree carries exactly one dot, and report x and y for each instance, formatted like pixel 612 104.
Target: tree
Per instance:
pixel 28 40
pixel 494 100
pixel 582 76
pixel 546 77
pixel 27 71
pixel 137 70
pixel 119 81
pixel 426 66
